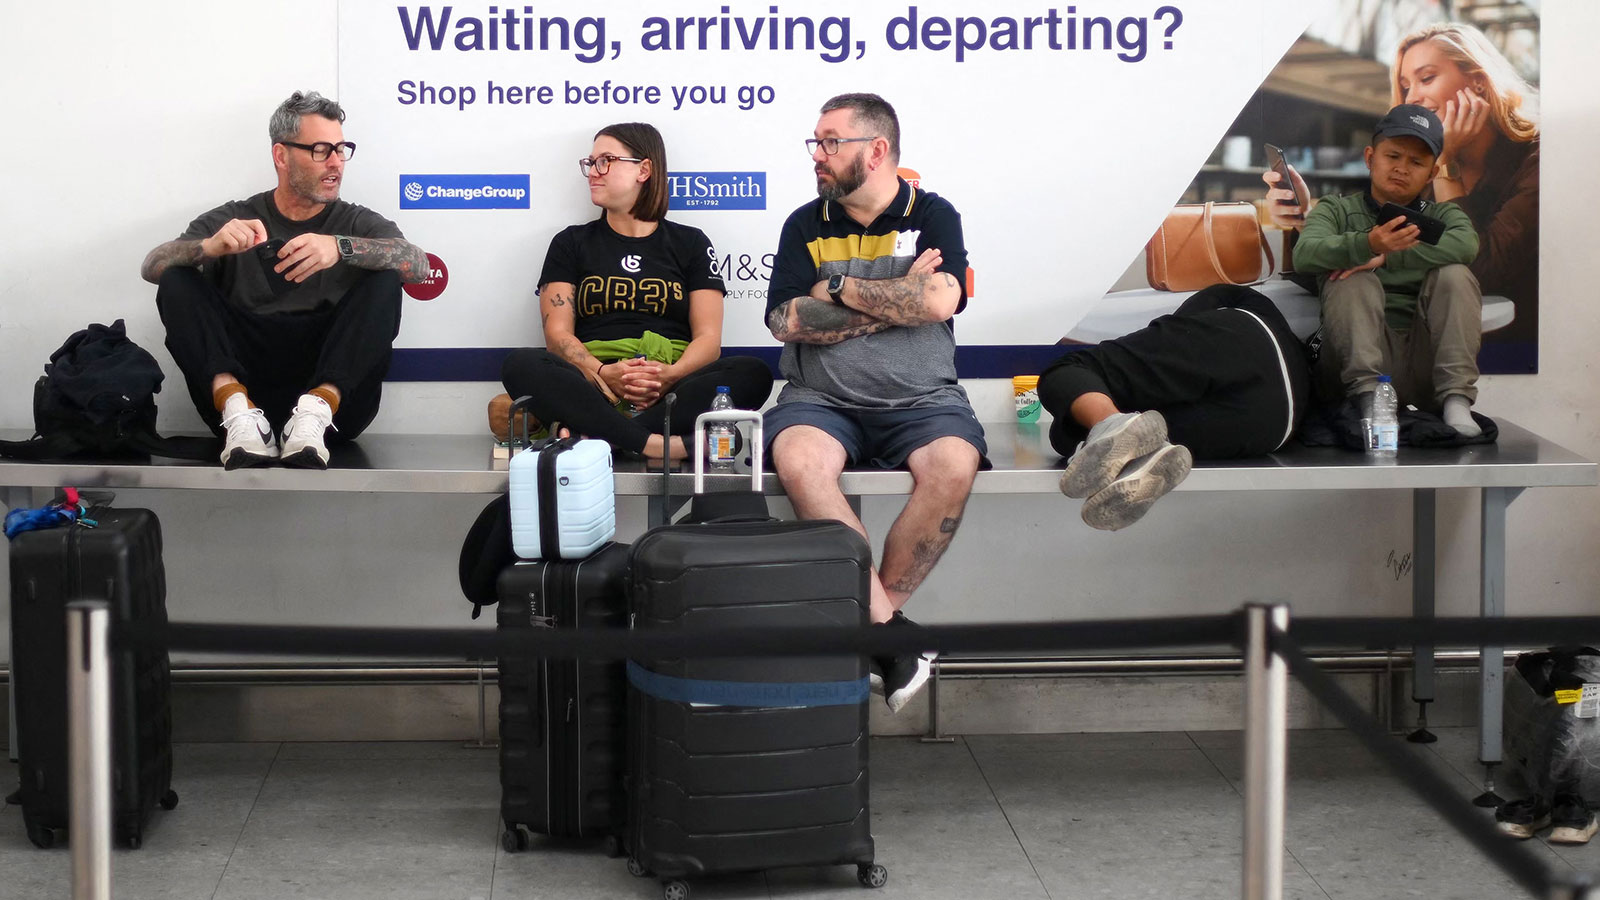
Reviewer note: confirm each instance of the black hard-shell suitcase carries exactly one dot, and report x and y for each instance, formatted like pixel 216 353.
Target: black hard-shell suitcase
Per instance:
pixel 719 786
pixel 561 721
pixel 117 560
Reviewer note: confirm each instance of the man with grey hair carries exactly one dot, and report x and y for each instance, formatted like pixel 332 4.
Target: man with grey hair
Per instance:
pixel 281 309
pixel 865 284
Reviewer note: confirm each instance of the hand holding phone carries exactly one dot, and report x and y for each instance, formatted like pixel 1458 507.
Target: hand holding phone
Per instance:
pixel 267 253
pixel 1286 181
pixel 1429 229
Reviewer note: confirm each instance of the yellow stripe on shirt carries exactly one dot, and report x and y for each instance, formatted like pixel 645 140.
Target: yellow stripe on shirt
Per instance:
pixel 855 246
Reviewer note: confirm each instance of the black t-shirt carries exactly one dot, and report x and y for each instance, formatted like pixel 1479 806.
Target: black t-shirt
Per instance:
pixel 626 286
pixel 242 279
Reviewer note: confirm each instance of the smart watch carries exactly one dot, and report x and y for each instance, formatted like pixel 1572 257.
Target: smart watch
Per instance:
pixel 347 247
pixel 836 288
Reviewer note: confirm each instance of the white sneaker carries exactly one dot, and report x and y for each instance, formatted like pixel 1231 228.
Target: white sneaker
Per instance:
pixel 304 434
pixel 249 441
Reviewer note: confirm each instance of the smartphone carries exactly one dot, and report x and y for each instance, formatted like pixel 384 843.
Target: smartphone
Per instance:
pixel 267 253
pixel 1276 163
pixel 1431 229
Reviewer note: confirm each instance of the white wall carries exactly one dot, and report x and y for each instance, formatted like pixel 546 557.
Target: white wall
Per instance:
pixel 105 102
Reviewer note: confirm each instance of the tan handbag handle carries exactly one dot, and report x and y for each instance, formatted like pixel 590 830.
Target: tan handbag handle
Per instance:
pixel 1216 261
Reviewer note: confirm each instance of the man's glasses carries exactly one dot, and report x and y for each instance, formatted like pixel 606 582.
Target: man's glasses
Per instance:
pixel 602 164
pixel 321 150
pixel 830 145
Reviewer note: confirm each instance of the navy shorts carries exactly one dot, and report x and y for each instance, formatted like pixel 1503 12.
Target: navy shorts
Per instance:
pixel 880 437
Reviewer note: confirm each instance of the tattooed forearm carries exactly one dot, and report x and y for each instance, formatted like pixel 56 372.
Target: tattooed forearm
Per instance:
pixel 904 300
pixel 807 320
pixel 172 253
pixel 398 254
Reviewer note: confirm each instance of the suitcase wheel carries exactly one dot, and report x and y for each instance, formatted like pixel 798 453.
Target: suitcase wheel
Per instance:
pixel 872 875
pixel 613 846
pixel 135 841
pixel 42 837
pixel 636 868
pixel 675 890
pixel 169 800
pixel 514 839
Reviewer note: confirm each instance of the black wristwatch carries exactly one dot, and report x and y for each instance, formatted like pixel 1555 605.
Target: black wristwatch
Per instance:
pixel 347 247
pixel 836 288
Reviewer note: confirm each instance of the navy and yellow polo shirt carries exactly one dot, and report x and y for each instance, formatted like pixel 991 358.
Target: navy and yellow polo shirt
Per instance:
pixel 899 368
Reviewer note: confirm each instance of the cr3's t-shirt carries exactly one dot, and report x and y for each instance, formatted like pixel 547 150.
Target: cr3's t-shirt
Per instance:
pixel 242 277
pixel 626 286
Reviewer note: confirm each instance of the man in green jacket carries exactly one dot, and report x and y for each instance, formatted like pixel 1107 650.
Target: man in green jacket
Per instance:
pixel 1392 304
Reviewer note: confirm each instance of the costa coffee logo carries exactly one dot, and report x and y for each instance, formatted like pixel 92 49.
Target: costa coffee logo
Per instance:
pixel 434 285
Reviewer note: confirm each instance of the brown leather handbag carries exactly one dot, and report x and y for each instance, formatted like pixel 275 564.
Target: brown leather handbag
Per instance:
pixel 1204 244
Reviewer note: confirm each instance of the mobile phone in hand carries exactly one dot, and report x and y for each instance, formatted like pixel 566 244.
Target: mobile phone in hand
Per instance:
pixel 1429 228
pixel 267 253
pixel 1277 163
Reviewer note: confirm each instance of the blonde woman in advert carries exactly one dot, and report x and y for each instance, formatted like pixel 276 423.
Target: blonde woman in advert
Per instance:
pixel 631 305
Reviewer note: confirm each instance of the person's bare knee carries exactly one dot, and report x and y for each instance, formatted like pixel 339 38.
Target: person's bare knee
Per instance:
pixel 808 461
pixel 945 467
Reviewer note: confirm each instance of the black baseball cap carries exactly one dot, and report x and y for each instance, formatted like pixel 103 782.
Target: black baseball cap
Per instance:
pixel 1409 119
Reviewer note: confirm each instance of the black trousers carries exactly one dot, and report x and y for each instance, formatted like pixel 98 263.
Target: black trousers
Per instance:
pixel 279 356
pixel 562 393
pixel 1225 386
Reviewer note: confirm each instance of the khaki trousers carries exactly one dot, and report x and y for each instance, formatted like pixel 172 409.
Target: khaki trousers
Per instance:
pixel 1436 357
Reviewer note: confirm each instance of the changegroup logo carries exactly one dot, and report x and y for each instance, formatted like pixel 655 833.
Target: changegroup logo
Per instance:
pixel 717 190
pixel 438 278
pixel 464 192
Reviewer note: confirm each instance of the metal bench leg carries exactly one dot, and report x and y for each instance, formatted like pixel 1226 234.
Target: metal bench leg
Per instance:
pixel 482 742
pixel 934 735
pixel 1422 606
pixel 1491 658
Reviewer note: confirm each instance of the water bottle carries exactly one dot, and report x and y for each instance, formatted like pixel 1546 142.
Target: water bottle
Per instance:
pixel 721 437
pixel 1385 420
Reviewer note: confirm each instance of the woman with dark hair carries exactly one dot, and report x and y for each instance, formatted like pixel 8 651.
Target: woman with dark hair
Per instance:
pixel 632 309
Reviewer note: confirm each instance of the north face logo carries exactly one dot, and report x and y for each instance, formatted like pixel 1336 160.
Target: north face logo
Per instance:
pixel 1422 121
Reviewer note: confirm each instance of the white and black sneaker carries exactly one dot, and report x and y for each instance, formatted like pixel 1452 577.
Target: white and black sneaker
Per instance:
pixel 305 434
pixel 249 440
pixel 899 678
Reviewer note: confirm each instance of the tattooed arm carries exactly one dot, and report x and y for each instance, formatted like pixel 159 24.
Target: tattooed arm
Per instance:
pixel 559 315
pixel 807 320
pixel 172 253
pixel 920 296
pixel 398 254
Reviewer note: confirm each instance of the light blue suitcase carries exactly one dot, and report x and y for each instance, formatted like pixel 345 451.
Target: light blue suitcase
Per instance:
pixel 563 503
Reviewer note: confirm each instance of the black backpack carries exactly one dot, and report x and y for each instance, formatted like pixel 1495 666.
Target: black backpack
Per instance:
pixel 96 398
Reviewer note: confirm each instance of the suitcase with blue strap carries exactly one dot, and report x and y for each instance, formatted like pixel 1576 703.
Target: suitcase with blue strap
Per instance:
pixel 743 764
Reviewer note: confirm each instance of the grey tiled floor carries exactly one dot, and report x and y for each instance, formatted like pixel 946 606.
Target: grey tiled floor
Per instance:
pixel 1024 816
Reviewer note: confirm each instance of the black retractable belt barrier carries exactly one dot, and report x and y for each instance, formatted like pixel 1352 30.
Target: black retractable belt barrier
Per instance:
pixel 1516 859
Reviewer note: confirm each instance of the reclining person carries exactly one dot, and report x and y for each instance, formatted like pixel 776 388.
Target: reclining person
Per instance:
pixel 1224 376
pixel 1390 303
pixel 281 310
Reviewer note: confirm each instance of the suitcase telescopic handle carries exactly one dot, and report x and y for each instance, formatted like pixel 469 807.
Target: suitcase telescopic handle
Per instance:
pixel 732 416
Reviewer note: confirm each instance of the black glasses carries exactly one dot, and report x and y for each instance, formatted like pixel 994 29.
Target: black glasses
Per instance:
pixel 830 145
pixel 602 164
pixel 322 149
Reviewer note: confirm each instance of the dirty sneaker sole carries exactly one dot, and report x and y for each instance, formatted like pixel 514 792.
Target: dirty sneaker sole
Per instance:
pixel 1575 834
pixel 1127 499
pixel 1522 830
pixel 1096 465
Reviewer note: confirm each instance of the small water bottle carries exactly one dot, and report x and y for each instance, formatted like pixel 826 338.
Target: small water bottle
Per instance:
pixel 1385 439
pixel 721 437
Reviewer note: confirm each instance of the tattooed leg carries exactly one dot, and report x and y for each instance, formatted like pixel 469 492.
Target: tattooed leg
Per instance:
pixel 943 471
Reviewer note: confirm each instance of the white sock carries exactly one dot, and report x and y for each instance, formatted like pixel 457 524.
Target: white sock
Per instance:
pixel 1458 415
pixel 235 404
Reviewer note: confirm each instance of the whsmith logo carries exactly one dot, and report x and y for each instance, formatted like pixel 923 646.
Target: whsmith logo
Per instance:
pixel 463 191
pixel 717 190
